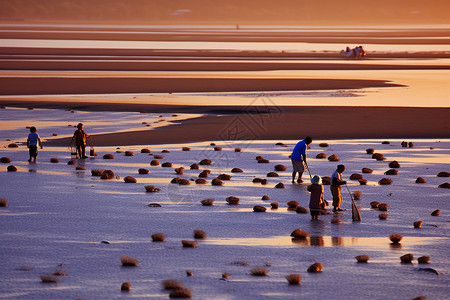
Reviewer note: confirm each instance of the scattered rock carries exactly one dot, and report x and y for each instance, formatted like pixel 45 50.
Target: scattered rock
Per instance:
pixel 3 202
pixel 326 180
pixel 410 144
pixel 315 268
pixel 186 149
pixel 13 145
pixel 357 195
pixel 216 181
pixel 274 205
pixel 189 273
pixel 107 174
pixel 167 165
pixel 263 161
pixel 391 172
pixel 374 204
pixel 182 293
pixel 158 156
pixel 125 287
pixel 154 162
pixel 199 234
pixel 151 188
pixel 224 177
pixel 265 197
pixel 80 168
pixel 71 162
pixel 189 244
pixel 385 142
pixel 158 237
pixel 333 158
pixel 444 186
pixel 420 180
pixel 204 173
pixel 179 170
pixel 394 164
pixel 194 167
pixel 362 258
pixel 443 174
pixel 165 151
pixel 237 149
pixel 54 160
pixel 383 207
pixel 279 186
pixel 367 171
pixel 407 258
pixel 280 168
pixel 299 234
pixel 129 179
pixel 292 204
pixel 207 202
pixel 182 181
pixel 259 157
pixel 129 153
pixel 436 213
pixel 272 174
pixel 108 156
pixel 301 210
pixel 172 285
pixel 201 181
pixel 129 261
pixel 154 205
pixel 259 271
pixel 383 216
pixel 321 155
pixel 232 200
pixel 355 176
pixel 363 181
pixel 395 238
pixel 205 162
pixel 370 151
pixel 236 170
pixel 294 279
pixel 217 148
pixel 423 260
pixel 97 172
pixel 11 168
pixel 259 208
pixel 5 160
pixel 143 171
pixel 385 181
pixel 49 279
pixel 323 145
pixel 146 150
pixel 418 224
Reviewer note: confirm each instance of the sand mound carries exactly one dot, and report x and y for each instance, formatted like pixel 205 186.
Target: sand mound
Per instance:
pixel 194 167
pixel 236 170
pixel 5 160
pixel 280 168
pixel 259 208
pixel 151 188
pixel 272 174
pixel 443 174
pixel 232 200
pixel 367 171
pixel 385 181
pixel 167 165
pixel 207 202
pixel 333 157
pixel 205 162
pixel 394 164
pixel 107 174
pixel 154 162
pixel 321 155
pixel 129 179
pixel 143 171
pixel 11 168
pixel 171 284
pixel 391 172
pixel 181 293
pixel 216 181
pixel 355 176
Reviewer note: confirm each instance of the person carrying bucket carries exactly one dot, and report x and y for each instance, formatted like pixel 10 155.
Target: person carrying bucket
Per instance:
pixel 80 140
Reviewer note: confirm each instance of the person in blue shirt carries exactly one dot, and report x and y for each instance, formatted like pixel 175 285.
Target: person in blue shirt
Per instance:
pixel 298 158
pixel 32 142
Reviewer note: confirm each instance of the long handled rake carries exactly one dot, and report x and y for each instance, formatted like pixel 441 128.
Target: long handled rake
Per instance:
pixel 309 171
pixel 356 216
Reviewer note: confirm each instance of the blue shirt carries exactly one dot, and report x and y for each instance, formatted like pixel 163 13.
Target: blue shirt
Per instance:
pixel 299 149
pixel 33 138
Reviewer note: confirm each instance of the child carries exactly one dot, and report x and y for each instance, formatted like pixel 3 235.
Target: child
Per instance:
pixel 32 142
pixel 336 182
pixel 80 141
pixel 316 201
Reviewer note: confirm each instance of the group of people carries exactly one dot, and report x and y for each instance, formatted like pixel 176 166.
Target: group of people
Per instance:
pixel 317 201
pixel 79 137
pixel 357 52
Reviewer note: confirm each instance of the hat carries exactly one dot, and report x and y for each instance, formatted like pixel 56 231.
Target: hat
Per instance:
pixel 316 180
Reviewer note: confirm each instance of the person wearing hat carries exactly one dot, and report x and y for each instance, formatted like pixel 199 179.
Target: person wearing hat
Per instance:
pixel 316 201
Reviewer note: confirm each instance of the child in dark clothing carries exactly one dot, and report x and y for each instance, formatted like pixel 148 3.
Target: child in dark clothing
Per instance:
pixel 32 142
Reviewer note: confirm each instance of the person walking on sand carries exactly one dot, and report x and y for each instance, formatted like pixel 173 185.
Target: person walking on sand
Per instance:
pixel 298 158
pixel 316 201
pixel 32 141
pixel 335 186
pixel 80 140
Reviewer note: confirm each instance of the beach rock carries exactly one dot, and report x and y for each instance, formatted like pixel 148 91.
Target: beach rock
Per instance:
pixel 363 181
pixel 355 176
pixel 443 174
pixel 391 172
pixel 186 149
pixel 257 180
pixel 49 279
pixel 179 170
pixel 423 260
pixel 146 150
pixel 236 170
pixel 362 258
pixel 323 145
pixel 259 208
pixel 189 244
pixel 129 153
pixel 294 279
pixel 183 293
pixel 212 144
pixel 129 261
pixel 182 181
pixel 292 204
pixel 129 179
pixel 11 168
pixel 385 142
pixel 274 205
pixel 232 200
pixel 263 161
pixel 374 204
pixel 265 197
pixel 154 205
pixel 445 185
pixel 357 195
pixel 216 181
pixel 143 171
pixel 165 151
pixel 395 238
pixel 394 164
pixel 383 207
pixel 326 180
pixel 125 287
pixel 367 171
pixel 72 162
pixel 207 202
pixel 167 165
pixel 333 158
pixel 189 273
pixel 299 234
pixel 370 151
pixel 80 168
pixel 280 168
pixel 3 202
pixel 380 157
pixel 383 216
pixel 259 271
pixel 5 160
pixel 385 181
pixel 420 180
pixel 107 174
pixel 194 167
pixel 154 162
pixel 204 173
pixel 224 177
pixel 151 188
pixel 54 160
pixel 237 150
pixel 259 157
pixel 301 210
pixel 13 145
pixel 418 224
pixel 158 156
pixel 436 213
pixel 407 258
pixel 97 172
pixel 108 156
pixel 158 237
pixel 315 268
pixel 217 148
pixel 321 156
pixel 199 234
pixel 272 174
pixel 205 162
pixel 279 186
pixel 201 181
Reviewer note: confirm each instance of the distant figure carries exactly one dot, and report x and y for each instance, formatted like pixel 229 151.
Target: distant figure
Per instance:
pixel 298 158
pixel 316 201
pixel 356 53
pixel 335 187
pixel 32 141
pixel 80 141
